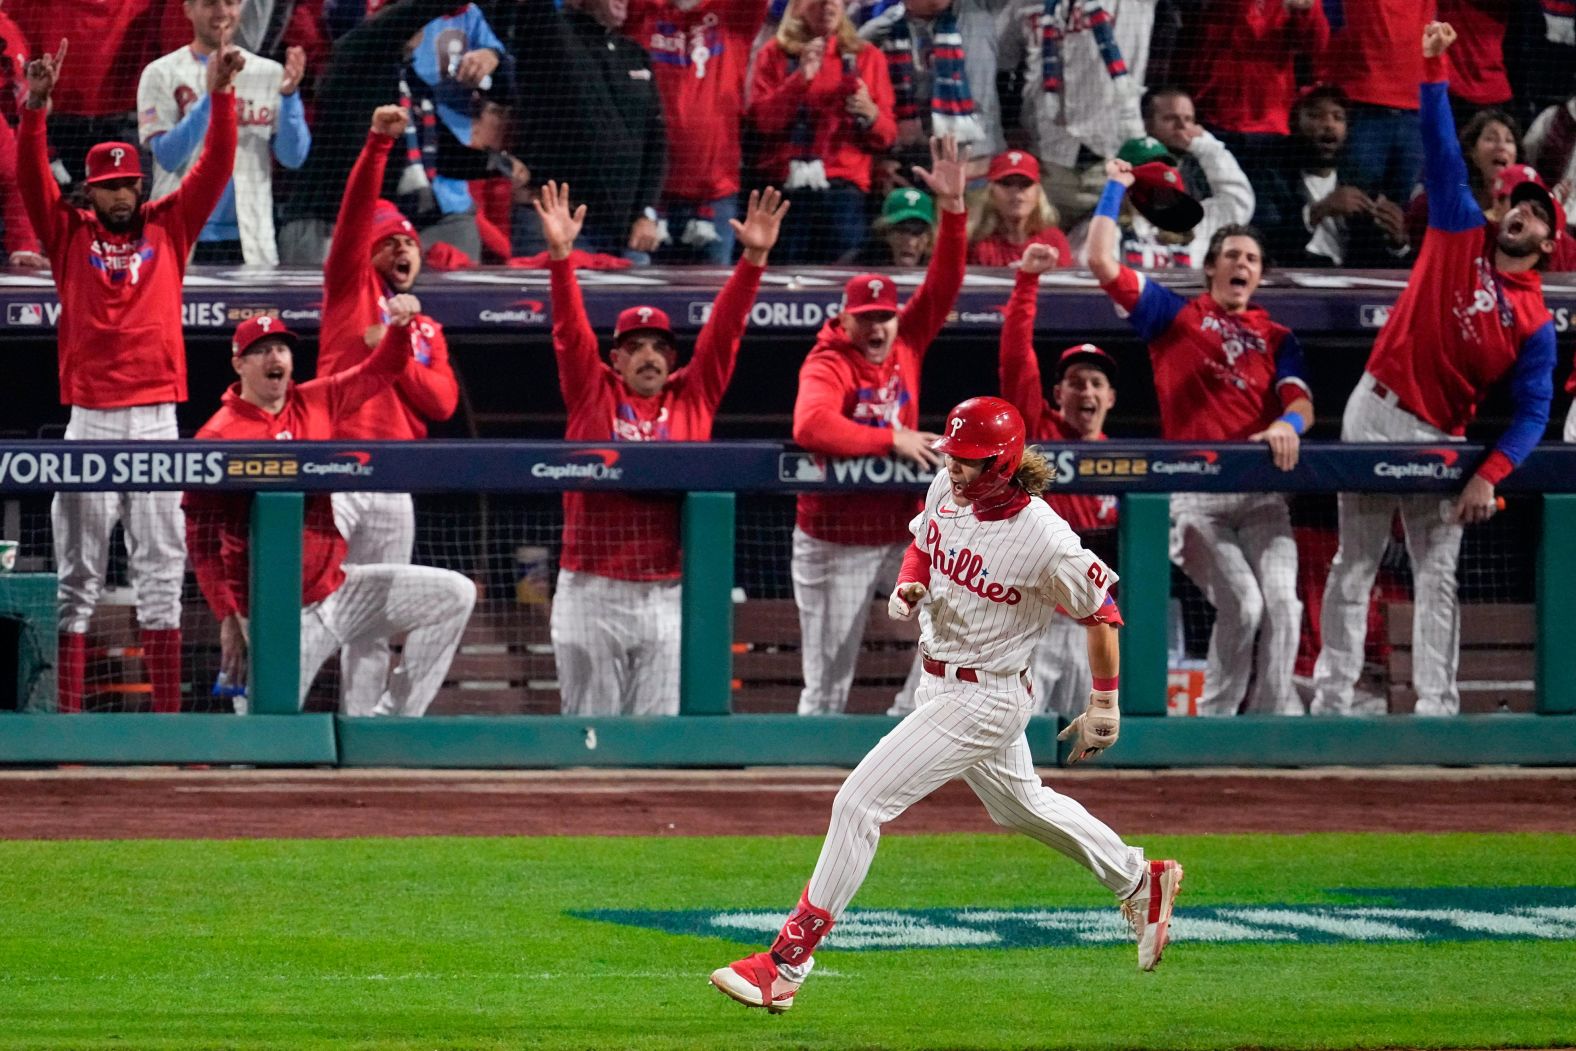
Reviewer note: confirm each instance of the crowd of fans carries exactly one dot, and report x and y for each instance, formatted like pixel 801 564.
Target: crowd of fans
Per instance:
pixel 1300 116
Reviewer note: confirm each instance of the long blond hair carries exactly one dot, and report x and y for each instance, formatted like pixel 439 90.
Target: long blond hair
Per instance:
pixel 793 32
pixel 984 220
pixel 1034 473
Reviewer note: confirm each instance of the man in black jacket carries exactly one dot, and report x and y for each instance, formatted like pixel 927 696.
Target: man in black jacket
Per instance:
pixel 1309 215
pixel 589 115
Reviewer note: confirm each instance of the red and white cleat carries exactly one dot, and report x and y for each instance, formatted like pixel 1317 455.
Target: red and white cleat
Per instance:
pixel 1149 910
pixel 755 982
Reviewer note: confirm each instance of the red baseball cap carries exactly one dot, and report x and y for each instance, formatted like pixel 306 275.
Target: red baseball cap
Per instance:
pixel 643 319
pixel 388 221
pixel 1513 176
pixel 1161 196
pixel 113 160
pixel 1014 162
pixel 1086 354
pixel 869 293
pixel 1534 190
pixel 256 329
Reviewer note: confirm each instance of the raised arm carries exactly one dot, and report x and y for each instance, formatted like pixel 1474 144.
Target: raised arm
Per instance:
pixel 574 343
pixel 717 347
pixel 926 310
pixel 292 137
pixel 1017 367
pixel 1104 234
pixel 347 391
pixel 1451 206
pixel 35 183
pixel 352 243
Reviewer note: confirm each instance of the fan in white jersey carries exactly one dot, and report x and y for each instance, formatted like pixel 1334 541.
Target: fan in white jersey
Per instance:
pixel 988 567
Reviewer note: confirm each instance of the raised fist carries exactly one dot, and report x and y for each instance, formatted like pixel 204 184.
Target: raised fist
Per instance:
pixel 390 120
pixel 1437 38
pixel 403 309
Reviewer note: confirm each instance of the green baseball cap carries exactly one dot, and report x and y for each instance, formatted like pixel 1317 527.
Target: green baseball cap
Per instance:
pixel 903 205
pixel 1143 150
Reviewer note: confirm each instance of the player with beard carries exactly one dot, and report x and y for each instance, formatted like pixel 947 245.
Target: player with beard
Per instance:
pixel 1471 315
pixel 376 253
pixel 1224 372
pixel 118 268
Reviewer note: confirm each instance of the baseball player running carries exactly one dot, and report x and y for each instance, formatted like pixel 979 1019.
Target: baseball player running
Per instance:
pixel 616 616
pixel 859 396
pixel 1084 393
pixel 341 603
pixel 118 268
pixel 987 567
pixel 376 253
pixel 1472 313
pixel 1224 371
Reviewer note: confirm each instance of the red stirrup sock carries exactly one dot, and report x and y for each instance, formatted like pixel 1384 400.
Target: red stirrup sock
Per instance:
pixel 802 933
pixel 71 671
pixel 161 657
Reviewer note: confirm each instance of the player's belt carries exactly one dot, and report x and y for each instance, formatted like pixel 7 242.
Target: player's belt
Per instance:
pixel 939 670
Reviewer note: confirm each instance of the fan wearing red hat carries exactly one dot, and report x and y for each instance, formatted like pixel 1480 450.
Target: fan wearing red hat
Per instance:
pixel 1563 258
pixel 1224 372
pixel 118 267
pixel 1472 315
pixel 376 254
pixel 341 602
pixel 1013 214
pixel 859 396
pixel 616 615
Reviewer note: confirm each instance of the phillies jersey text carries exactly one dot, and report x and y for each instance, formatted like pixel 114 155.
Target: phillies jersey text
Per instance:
pixel 995 582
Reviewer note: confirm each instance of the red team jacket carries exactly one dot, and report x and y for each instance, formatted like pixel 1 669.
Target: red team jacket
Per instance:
pixel 1461 325
pixel 1253 42
pixel 1219 377
pixel 630 536
pixel 120 296
pixel 778 92
pixel 847 406
pixel 1019 375
pixel 217 523
pixel 700 57
pixel 353 301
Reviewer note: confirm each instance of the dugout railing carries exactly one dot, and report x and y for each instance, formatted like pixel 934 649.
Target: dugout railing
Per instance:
pixel 713 476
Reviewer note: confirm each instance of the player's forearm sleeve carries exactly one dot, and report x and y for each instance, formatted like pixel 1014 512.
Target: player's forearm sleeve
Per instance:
pixel 717 347
pixel 204 543
pixel 1018 370
pixel 431 388
pixel 916 566
pixel 171 148
pixel 574 343
pixel 1531 390
pixel 924 314
pixel 1451 206
pixel 34 181
pixel 293 140
pixel 351 247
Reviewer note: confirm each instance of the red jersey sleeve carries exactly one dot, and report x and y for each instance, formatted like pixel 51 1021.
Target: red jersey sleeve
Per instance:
pixel 35 184
pixel 198 194
pixel 819 423
pixel 209 522
pixel 927 309
pixel 389 362
pixel 717 348
pixel 1125 289
pixel 430 388
pixel 574 344
pixel 19 236
pixel 776 92
pixel 1017 367
pixel 351 248
pixel 916 566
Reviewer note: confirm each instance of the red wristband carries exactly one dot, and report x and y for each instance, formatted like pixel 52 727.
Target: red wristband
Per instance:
pixel 1105 685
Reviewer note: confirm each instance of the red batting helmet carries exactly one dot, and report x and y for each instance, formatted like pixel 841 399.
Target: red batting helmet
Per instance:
pixel 985 429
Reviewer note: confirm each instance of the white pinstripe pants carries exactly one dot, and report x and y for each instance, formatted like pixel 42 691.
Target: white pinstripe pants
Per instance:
pixel 972 731
pixel 1434 546
pixel 429 605
pixel 379 528
pixel 155 527
pixel 1060 668
pixel 1238 548
pixel 616 644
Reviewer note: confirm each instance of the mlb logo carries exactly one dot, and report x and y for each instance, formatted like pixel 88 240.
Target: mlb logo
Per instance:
pixel 1373 316
pixel 699 313
pixel 800 467
pixel 24 314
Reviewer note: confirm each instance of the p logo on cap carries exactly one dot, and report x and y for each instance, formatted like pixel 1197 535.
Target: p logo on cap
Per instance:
pixel 643 319
pixel 113 160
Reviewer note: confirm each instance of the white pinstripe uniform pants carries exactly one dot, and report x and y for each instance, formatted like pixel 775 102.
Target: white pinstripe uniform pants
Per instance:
pixel 155 527
pixel 429 605
pixel 379 529
pixel 833 585
pixel 616 644
pixel 973 731
pixel 1238 548
pixel 1434 546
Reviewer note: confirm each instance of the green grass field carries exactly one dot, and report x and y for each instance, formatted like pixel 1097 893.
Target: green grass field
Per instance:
pixel 470 943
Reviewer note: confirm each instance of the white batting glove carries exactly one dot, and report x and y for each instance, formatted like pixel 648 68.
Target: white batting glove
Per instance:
pixel 905 600
pixel 1096 729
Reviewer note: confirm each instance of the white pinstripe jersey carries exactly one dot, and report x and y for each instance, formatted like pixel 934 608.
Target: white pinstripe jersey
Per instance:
pixel 994 585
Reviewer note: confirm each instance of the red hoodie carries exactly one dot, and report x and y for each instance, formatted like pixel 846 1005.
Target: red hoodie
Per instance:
pixel 635 536
pixel 120 294
pixel 217 523
pixel 848 406
pixel 353 301
pixel 778 93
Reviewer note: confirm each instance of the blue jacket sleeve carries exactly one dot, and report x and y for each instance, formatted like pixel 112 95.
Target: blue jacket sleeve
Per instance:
pixel 1451 206
pixel 1531 391
pixel 292 139
pixel 1289 367
pixel 172 148
pixel 1156 310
